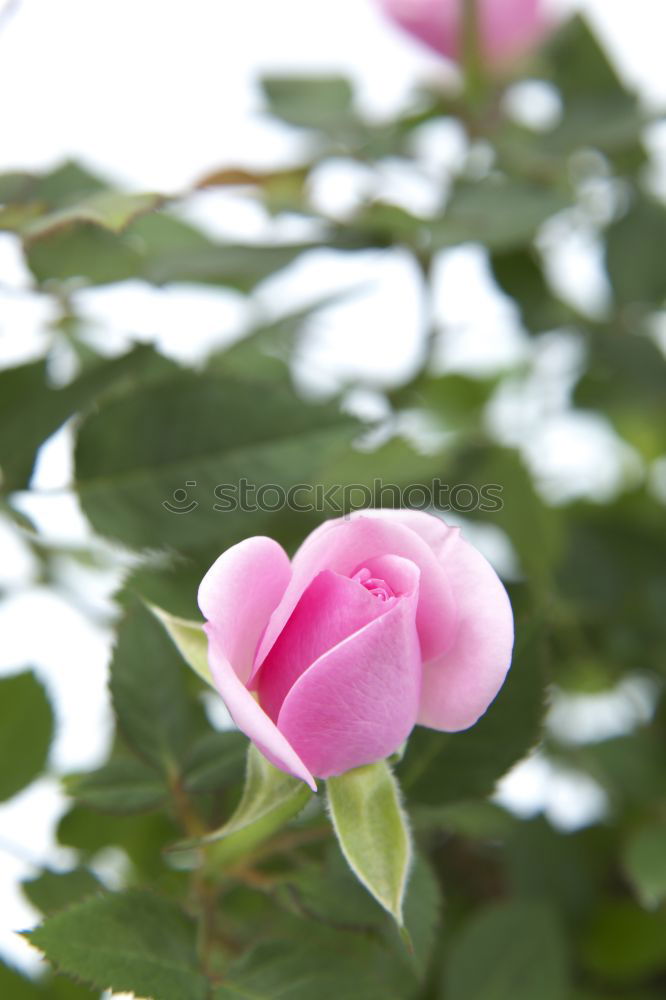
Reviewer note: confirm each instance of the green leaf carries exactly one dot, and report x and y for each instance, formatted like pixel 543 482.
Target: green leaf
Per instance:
pixel 128 942
pixel 123 785
pixel 626 379
pixel 320 102
pixel 519 275
pixel 644 860
pixel 500 213
pixel 67 183
pixel 634 247
pixel 580 66
pixel 270 799
pixel 215 760
pixel 547 865
pixel 230 265
pixel 149 692
pixel 195 434
pixel 372 831
pixel 522 513
pixel 327 967
pixel 112 210
pixel 85 252
pixel 53 891
pixel 31 411
pixel 26 731
pixel 14 986
pixel 439 767
pixel 142 837
pixel 509 951
pixel 190 641
pixel 331 893
pixel 623 943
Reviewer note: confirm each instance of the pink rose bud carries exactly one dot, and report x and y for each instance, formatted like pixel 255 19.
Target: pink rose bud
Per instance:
pixel 507 28
pixel 381 621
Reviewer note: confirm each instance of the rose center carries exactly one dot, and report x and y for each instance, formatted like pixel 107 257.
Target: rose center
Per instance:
pixel 378 588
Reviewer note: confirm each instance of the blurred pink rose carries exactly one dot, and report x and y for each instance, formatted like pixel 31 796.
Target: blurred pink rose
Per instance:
pixel 507 28
pixel 381 621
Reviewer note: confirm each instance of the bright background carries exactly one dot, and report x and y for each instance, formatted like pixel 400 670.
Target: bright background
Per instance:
pixel 154 93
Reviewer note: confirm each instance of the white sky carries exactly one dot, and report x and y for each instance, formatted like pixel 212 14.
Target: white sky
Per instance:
pixel 154 93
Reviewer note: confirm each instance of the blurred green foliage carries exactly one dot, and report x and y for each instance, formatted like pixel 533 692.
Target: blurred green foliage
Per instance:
pixel 498 906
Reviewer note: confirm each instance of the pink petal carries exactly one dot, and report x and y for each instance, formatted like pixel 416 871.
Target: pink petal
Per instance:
pixel 358 702
pixel 239 593
pixel 507 27
pixel 249 717
pixel 331 608
pixel 459 686
pixel 346 545
pixel 434 530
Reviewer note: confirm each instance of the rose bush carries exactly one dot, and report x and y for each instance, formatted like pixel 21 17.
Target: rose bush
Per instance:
pixel 382 620
pixel 507 28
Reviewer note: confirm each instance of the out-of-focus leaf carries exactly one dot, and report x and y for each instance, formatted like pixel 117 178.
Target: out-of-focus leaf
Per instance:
pixel 67 183
pixel 626 380
pixel 148 690
pixel 53 891
pixel 455 401
pixel 14 218
pixel 214 760
pixel 129 942
pixel 373 832
pixel 332 894
pixel 634 253
pixel 380 477
pixel 323 102
pixel 200 436
pixel 112 210
pixel 265 352
pixel 313 962
pixel 441 767
pixel 630 768
pixel 237 266
pixel 514 505
pixel 26 730
pixel 85 252
pixel 564 869
pixel 14 986
pixel 579 66
pixel 519 275
pixel 270 799
pixel 157 247
pixel 599 110
pixel 280 190
pixel 623 943
pixel 500 213
pixel 509 951
pixel 612 576
pixel 644 859
pixel 122 785
pixel 143 837
pixel 30 411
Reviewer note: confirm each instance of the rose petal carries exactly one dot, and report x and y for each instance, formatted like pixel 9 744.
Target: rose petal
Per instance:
pixel 331 608
pixel 434 530
pixel 507 27
pixel 239 593
pixel 249 716
pixel 346 545
pixel 459 686
pixel 358 702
